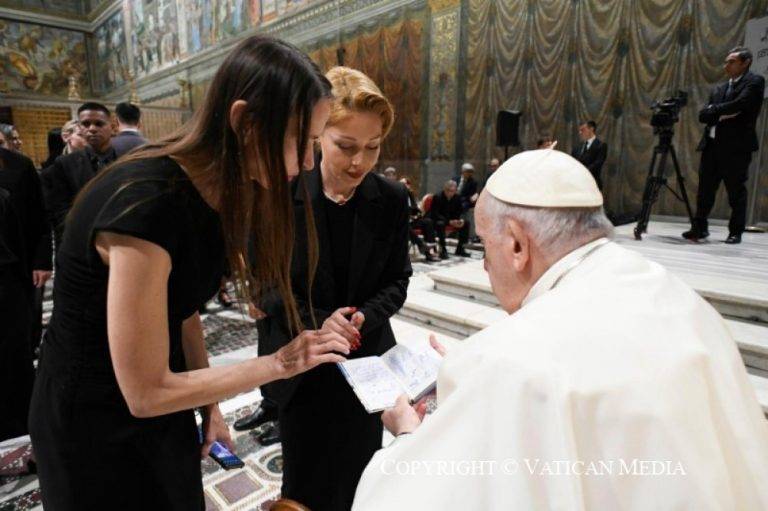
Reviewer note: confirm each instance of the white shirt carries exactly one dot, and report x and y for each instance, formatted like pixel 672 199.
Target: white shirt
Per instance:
pixel 589 142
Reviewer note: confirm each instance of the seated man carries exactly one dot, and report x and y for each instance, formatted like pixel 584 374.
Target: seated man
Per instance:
pixel 418 222
pixel 610 385
pixel 446 210
pixel 467 186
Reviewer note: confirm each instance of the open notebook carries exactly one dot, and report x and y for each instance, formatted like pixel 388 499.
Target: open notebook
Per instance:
pixel 378 381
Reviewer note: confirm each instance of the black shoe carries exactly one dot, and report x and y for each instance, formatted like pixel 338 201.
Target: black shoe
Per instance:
pixel 695 234
pixel 271 435
pixel 431 258
pixel 462 253
pixel 733 239
pixel 443 254
pixel 256 419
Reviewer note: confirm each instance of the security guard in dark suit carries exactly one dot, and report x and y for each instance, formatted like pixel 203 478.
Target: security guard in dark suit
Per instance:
pixel 592 152
pixel 729 140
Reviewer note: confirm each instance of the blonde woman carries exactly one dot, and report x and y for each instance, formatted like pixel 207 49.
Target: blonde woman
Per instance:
pixel 361 281
pixel 73 140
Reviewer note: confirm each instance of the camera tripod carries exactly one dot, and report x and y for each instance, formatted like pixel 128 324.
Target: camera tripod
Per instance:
pixel 656 180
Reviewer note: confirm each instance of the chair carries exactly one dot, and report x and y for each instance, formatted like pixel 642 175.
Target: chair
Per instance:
pixel 288 505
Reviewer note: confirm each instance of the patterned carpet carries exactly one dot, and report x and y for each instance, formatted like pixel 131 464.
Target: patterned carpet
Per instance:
pixel 253 488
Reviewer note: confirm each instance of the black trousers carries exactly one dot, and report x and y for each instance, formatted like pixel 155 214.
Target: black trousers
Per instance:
pixel 427 229
pixel 17 373
pixel 328 439
pixel 731 168
pixel 463 232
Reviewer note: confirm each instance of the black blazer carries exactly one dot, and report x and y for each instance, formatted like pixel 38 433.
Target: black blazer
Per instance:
pixel 738 133
pixel 124 141
pixel 19 178
pixel 378 275
pixel 63 180
pixel 466 193
pixel 593 158
pixel 444 209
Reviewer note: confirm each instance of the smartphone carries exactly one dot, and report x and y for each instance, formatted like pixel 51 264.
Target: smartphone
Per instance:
pixel 224 457
pixel 221 454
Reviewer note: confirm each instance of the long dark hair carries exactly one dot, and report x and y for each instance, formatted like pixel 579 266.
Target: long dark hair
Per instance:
pixel 279 83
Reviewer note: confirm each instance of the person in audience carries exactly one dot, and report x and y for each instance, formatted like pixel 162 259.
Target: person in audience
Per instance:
pixel 421 223
pixel 128 123
pixel 592 151
pixel 467 186
pixel 11 136
pixel 446 210
pixel 63 180
pixel 546 142
pixel 73 137
pixel 124 364
pixel 362 277
pixel 390 173
pixel 493 166
pixel 3 142
pixel 25 264
pixel 652 409
pixel 56 145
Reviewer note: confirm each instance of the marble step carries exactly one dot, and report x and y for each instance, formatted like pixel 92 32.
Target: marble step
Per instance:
pixel 468 284
pixel 464 318
pixel 731 297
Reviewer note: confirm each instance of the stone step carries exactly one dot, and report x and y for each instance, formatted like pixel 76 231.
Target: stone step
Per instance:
pixel 733 298
pixel 470 282
pixel 453 314
pixel 451 309
pixel 410 332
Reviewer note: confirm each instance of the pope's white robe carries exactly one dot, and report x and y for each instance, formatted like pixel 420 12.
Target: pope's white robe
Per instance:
pixel 618 389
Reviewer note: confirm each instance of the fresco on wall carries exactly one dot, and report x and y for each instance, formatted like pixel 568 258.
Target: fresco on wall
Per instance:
pixel 111 54
pixel 210 21
pixel 34 58
pixel 154 35
pixel 49 6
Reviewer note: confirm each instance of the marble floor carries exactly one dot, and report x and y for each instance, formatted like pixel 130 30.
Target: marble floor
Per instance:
pixel 230 338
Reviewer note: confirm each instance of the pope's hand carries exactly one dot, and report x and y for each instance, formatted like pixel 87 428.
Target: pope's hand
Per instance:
pixel 404 418
pixel 439 348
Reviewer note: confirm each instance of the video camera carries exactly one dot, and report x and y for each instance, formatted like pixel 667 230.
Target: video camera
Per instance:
pixel 667 112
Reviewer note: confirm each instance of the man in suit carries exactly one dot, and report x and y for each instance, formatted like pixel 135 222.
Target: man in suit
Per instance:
pixel 467 186
pixel 592 151
pixel 446 210
pixel 128 123
pixel 729 140
pixel 63 180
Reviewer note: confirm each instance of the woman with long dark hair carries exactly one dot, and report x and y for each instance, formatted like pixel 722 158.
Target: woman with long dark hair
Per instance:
pixel 124 364
pixel 362 277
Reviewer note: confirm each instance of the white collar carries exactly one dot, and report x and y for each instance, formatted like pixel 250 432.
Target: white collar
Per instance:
pixel 134 130
pixel 734 81
pixel 557 271
pixel 590 141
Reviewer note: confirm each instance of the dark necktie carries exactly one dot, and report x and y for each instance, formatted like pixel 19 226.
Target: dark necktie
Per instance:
pixel 729 90
pixel 584 149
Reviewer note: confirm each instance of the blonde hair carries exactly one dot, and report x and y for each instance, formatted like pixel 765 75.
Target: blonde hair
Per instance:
pixel 69 127
pixel 353 91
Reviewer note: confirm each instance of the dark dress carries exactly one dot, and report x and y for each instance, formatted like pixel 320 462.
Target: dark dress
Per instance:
pixel 90 449
pixel 25 245
pixel 327 435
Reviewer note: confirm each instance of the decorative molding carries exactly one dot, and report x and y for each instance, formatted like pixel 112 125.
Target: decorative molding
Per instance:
pixel 58 21
pixel 44 101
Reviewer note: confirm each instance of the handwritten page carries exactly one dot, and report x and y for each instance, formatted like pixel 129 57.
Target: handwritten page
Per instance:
pixel 416 367
pixel 375 385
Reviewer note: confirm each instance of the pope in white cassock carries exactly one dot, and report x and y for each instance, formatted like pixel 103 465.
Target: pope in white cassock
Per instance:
pixel 611 385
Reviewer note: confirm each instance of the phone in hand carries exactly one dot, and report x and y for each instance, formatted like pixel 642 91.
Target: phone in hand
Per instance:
pixel 224 457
